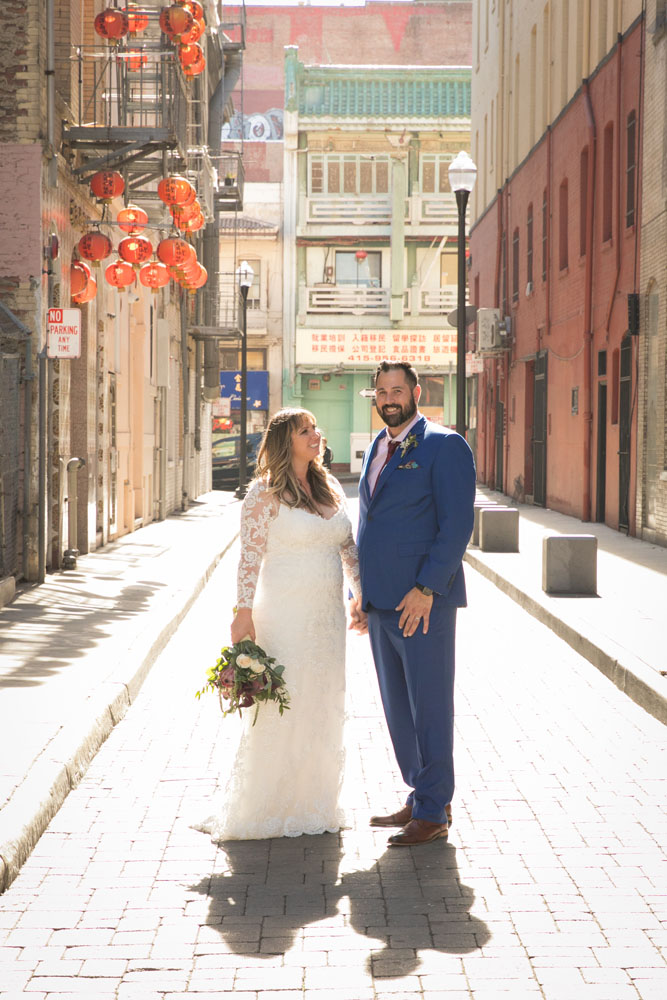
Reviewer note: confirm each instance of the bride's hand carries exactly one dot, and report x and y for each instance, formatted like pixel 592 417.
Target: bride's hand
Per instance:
pixel 243 626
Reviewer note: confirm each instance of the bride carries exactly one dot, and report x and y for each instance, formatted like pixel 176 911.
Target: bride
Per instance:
pixel 296 538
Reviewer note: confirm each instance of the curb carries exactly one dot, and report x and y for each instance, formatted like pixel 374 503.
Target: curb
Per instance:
pixel 65 761
pixel 633 681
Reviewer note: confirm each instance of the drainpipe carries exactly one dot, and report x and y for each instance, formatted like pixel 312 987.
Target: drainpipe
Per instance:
pixel 619 46
pixel 185 375
pixel 588 303
pixel 71 553
pixel 52 170
pixel 491 416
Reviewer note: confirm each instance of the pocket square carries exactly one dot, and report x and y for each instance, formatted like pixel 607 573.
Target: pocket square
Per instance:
pixel 409 465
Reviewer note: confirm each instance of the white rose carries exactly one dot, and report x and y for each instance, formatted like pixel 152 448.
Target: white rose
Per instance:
pixel 244 661
pixel 256 666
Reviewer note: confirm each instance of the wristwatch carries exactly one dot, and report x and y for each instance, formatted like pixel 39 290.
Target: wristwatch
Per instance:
pixel 426 591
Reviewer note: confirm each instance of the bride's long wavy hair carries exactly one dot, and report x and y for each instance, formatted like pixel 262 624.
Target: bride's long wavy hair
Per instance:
pixel 274 464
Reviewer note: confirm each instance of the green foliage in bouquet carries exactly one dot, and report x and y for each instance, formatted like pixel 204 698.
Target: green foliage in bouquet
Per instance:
pixel 244 675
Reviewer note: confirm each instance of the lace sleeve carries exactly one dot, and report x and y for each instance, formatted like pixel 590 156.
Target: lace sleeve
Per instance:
pixel 348 550
pixel 259 509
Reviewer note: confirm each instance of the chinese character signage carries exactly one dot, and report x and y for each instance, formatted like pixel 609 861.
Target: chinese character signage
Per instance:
pixel 258 389
pixel 370 347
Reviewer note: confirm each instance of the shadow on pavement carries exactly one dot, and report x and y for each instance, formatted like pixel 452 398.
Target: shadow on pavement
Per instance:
pixel 408 901
pixel 43 639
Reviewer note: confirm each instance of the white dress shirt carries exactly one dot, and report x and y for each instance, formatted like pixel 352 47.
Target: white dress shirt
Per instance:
pixel 381 451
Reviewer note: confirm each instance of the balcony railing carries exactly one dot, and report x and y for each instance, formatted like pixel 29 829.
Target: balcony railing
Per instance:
pixel 363 210
pixel 437 301
pixel 343 299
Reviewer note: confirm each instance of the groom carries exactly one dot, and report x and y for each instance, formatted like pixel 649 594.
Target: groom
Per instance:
pixel 416 499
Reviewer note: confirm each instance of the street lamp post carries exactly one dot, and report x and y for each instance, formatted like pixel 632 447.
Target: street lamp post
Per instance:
pixel 245 274
pixel 462 175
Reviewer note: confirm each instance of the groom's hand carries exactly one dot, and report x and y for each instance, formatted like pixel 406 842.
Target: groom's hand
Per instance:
pixel 358 618
pixel 415 608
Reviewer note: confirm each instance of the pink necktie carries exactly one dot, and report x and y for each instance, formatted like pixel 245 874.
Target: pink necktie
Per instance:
pixel 391 448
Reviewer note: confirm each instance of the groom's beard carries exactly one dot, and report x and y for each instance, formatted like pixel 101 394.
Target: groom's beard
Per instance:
pixel 398 416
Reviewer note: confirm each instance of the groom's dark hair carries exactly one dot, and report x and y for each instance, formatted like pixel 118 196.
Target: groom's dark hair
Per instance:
pixel 411 376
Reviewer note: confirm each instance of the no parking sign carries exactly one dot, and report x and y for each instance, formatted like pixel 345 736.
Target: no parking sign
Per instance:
pixel 63 333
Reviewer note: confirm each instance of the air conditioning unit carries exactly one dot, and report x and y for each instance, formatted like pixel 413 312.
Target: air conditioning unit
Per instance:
pixel 489 337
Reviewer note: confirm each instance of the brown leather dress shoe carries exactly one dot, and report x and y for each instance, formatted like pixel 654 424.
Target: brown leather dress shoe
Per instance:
pixel 399 818
pixel 419 831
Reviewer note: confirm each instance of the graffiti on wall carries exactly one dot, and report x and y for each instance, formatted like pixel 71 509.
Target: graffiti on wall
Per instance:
pixel 266 126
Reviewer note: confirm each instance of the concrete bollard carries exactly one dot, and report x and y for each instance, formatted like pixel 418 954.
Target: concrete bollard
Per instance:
pixel 7 590
pixel 479 506
pixel 569 564
pixel 499 529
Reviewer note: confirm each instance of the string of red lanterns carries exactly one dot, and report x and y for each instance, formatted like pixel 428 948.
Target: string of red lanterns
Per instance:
pixel 176 258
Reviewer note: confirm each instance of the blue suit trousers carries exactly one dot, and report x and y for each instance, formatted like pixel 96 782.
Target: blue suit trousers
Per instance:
pixel 416 678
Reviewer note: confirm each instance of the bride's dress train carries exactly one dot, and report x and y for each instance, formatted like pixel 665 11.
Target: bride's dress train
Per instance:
pixel 287 771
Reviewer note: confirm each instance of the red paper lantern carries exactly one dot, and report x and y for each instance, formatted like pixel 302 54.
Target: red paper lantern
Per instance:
pixel 361 255
pixel 196 67
pixel 174 251
pixel 199 280
pixel 88 293
pixel 195 32
pixel 154 275
pixel 188 54
pixel 175 21
pixel 136 60
pixel 135 250
pixel 132 220
pixel 194 224
pixel 112 24
pixel 79 276
pixel 94 246
pixel 181 213
pixel 195 8
pixel 137 19
pixel 106 185
pixel 176 190
pixel 119 274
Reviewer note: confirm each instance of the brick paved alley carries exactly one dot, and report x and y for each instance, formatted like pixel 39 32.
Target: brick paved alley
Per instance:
pixel 553 883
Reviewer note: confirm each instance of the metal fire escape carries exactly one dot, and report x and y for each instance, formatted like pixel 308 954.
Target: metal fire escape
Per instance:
pixel 138 113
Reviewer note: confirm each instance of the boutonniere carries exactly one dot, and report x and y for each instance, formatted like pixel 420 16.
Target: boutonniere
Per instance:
pixel 407 443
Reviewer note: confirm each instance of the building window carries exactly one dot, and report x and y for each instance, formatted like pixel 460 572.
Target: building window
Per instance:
pixel 545 256
pixel 366 273
pixel 254 292
pixel 607 182
pixel 583 200
pixel 529 246
pixel 630 171
pixel 230 360
pixel 515 265
pixel 433 173
pixel 351 173
pixel 562 226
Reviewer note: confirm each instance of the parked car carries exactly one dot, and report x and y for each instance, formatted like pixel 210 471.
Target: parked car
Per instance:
pixel 226 456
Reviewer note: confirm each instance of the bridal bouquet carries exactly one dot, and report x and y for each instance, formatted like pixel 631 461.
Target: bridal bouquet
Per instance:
pixel 244 675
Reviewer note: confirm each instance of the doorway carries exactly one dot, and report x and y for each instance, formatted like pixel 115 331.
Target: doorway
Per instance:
pixel 601 478
pixel 624 423
pixel 500 445
pixel 540 430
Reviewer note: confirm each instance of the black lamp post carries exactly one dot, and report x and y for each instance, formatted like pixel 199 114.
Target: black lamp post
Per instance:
pixel 245 274
pixel 462 175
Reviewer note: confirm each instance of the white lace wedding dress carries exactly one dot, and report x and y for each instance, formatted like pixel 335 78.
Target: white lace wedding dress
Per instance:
pixel 287 772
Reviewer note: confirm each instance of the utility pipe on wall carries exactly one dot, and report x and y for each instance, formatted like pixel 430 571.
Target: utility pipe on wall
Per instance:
pixel 588 302
pixel 52 170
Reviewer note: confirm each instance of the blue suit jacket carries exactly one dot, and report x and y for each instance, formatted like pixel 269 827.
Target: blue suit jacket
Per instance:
pixel 416 526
